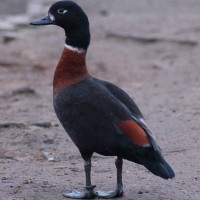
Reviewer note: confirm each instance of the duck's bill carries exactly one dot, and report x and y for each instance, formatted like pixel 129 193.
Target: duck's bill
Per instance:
pixel 47 20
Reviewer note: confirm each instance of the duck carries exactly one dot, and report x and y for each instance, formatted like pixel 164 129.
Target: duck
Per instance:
pixel 97 115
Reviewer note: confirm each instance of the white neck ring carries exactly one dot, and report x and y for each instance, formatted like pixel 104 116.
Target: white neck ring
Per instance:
pixel 78 50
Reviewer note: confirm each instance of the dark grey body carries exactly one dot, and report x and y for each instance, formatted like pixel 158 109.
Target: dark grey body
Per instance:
pixel 85 111
pixel 90 111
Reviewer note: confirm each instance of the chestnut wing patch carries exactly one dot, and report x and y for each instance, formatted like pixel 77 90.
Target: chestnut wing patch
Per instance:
pixel 135 132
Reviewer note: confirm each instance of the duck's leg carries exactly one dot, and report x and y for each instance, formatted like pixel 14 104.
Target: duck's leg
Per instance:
pixel 88 193
pixel 118 192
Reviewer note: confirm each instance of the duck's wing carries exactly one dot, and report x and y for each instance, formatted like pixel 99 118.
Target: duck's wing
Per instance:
pixel 136 115
pixel 137 138
pixel 123 124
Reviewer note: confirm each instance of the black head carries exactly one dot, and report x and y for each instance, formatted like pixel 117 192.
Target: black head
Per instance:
pixel 72 19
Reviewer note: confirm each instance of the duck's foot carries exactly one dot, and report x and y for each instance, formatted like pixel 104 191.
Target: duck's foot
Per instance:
pixel 118 192
pixel 88 193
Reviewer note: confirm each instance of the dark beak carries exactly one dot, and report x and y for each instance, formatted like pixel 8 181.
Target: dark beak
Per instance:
pixel 44 21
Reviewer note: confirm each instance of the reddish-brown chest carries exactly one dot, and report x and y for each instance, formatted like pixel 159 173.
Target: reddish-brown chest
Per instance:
pixel 71 69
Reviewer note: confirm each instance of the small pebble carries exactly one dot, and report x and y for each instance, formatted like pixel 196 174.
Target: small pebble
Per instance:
pixel 27 181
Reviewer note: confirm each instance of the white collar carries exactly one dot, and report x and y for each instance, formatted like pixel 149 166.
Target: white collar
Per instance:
pixel 78 50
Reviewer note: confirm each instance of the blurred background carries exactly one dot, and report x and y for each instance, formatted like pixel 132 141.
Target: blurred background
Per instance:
pixel 150 48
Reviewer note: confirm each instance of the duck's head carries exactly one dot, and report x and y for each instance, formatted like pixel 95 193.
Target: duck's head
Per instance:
pixel 72 19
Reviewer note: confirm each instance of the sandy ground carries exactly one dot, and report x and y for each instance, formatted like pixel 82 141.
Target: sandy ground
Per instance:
pixel 150 48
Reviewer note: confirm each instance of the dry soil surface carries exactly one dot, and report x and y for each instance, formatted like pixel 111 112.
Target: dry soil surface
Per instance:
pixel 150 48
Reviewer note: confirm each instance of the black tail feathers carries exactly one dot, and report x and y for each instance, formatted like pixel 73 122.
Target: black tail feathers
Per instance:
pixel 160 168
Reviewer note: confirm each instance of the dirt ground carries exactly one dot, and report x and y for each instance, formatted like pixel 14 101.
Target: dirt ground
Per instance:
pixel 150 48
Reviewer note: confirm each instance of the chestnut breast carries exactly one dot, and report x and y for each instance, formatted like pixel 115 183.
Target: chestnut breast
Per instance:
pixel 71 69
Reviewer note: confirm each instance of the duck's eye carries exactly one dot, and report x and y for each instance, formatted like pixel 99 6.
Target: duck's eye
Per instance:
pixel 62 11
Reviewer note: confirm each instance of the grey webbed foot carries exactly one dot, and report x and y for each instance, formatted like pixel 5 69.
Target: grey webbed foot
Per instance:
pixel 88 193
pixel 118 192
